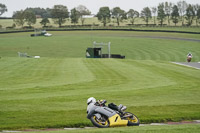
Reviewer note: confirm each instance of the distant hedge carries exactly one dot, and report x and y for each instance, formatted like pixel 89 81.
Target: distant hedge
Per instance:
pixel 6 18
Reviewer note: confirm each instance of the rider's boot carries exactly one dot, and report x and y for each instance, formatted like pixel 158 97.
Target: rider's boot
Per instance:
pixel 121 108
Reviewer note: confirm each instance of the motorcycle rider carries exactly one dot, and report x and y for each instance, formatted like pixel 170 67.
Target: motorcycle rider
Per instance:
pixel 92 101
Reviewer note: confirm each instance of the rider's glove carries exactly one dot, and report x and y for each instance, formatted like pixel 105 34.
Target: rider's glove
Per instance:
pixel 102 102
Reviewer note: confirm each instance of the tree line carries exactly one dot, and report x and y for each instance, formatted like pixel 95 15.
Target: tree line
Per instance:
pixel 179 12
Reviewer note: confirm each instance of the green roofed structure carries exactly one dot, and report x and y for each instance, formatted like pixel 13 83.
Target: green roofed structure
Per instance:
pixel 98 51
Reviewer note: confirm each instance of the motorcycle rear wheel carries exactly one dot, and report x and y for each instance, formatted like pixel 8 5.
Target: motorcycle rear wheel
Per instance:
pixel 132 119
pixel 101 123
pixel 189 59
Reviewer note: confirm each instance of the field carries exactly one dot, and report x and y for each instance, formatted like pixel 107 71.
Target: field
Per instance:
pixel 188 128
pixel 51 92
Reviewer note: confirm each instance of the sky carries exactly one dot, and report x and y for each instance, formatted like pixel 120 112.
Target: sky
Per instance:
pixel 92 5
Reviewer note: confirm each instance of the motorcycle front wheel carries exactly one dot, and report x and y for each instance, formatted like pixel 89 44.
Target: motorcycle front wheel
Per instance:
pixel 132 119
pixel 101 123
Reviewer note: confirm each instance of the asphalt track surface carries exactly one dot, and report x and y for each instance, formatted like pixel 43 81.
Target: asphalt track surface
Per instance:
pixel 162 37
pixel 195 65
pixel 170 38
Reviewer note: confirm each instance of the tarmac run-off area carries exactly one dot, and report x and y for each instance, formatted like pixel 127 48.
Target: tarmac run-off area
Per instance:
pixel 195 65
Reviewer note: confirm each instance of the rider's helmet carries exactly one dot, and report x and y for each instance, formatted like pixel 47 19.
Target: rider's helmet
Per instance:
pixel 91 100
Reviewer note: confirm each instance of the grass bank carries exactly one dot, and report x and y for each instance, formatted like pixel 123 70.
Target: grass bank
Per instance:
pixel 134 45
pixel 51 92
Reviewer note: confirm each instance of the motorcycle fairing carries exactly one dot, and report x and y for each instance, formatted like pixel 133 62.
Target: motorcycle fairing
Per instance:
pixel 105 111
pixel 117 121
pixel 113 117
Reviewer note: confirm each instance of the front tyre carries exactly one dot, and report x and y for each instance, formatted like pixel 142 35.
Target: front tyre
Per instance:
pixel 101 122
pixel 132 119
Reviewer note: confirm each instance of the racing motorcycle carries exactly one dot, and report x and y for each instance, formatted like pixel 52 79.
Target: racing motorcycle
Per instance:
pixel 103 116
pixel 189 58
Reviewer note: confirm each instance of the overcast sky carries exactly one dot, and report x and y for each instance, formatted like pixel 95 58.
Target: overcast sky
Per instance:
pixel 92 5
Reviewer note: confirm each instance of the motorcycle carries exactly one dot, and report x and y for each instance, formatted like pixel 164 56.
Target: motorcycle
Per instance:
pixel 189 58
pixel 102 116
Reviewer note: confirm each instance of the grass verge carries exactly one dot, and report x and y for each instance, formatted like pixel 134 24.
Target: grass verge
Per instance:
pixel 52 91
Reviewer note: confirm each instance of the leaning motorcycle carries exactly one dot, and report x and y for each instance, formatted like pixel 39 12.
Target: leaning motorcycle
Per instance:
pixel 102 116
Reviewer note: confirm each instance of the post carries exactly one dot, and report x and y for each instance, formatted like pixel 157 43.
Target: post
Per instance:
pixel 109 50
pixel 35 32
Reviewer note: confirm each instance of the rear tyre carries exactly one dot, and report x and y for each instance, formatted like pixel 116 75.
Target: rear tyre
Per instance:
pixel 101 123
pixel 132 119
pixel 189 59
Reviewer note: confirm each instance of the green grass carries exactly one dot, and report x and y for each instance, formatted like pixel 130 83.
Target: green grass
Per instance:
pixel 188 128
pixel 135 45
pixel 51 92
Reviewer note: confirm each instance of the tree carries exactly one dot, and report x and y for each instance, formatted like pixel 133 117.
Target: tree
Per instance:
pixel 146 14
pixel 59 14
pixel 118 14
pixel 154 11
pixel 44 22
pixel 3 9
pixel 30 17
pixel 168 10
pixel 190 14
pixel 132 15
pixel 44 13
pixel 82 11
pixel 182 6
pixel 104 15
pixel 161 13
pixel 175 14
pixel 198 14
pixel 74 16
pixel 47 14
pixel 19 18
pixel 196 8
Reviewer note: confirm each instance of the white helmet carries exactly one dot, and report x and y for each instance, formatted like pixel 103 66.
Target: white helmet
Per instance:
pixel 91 100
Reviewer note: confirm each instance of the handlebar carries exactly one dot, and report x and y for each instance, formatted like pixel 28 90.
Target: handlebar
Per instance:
pixel 101 102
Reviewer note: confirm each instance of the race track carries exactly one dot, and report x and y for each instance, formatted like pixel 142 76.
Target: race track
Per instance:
pixel 195 65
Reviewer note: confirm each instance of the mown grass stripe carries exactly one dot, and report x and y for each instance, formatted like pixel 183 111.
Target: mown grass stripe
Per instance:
pixel 60 82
